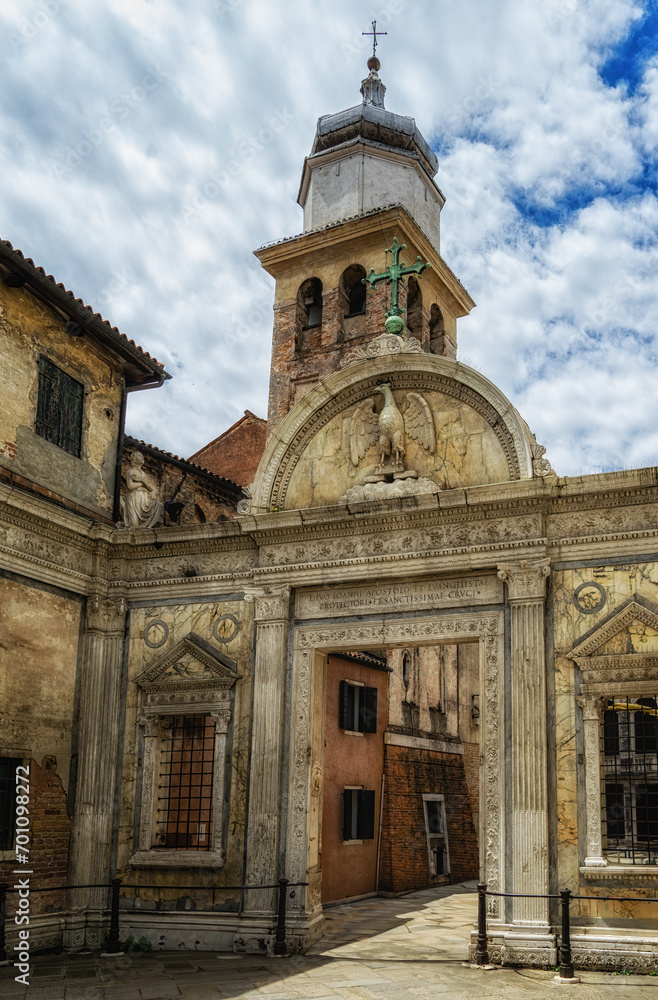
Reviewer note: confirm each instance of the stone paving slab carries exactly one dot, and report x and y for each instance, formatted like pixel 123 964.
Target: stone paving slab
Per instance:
pixel 411 948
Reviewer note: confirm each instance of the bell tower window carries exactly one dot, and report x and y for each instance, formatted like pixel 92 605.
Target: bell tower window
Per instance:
pixel 309 303
pixel 353 290
pixel 414 308
pixel 437 329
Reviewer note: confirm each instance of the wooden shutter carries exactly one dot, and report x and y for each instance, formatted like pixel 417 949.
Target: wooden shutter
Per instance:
pixel 347 812
pixel 70 414
pixel 47 400
pixel 366 815
pixel 368 710
pixel 344 720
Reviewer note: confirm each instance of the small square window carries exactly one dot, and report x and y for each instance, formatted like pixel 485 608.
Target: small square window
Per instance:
pixel 59 408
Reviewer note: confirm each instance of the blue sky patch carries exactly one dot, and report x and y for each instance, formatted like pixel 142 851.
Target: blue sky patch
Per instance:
pixel 626 63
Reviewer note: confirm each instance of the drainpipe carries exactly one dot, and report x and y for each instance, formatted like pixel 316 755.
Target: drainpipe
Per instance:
pixel 135 387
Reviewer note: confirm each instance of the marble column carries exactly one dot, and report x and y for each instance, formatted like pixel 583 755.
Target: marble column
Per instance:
pixel 264 813
pixel 91 841
pixel 526 583
pixel 592 706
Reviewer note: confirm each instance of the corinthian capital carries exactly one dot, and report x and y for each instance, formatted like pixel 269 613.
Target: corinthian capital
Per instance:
pixel 526 580
pixel 106 614
pixel 592 705
pixel 270 603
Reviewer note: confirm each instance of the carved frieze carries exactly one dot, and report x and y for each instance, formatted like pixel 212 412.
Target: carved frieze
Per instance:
pixel 432 539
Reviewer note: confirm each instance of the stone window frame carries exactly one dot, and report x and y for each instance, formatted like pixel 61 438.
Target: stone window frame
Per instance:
pixel 164 698
pixel 436 797
pixel 606 677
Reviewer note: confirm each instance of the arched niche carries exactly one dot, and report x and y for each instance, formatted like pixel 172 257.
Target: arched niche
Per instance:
pixel 480 437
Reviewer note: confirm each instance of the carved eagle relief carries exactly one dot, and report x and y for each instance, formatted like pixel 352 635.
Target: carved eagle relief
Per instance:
pixel 387 429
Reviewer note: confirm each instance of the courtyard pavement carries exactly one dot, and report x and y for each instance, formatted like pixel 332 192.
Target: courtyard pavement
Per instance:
pixel 410 948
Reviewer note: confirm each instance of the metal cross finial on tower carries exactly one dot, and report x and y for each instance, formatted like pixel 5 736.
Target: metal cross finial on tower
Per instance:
pixel 374 37
pixel 392 274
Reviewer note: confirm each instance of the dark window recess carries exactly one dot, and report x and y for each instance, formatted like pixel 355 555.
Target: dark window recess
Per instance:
pixel 358 708
pixel 630 806
pixel 8 767
pixel 358 814
pixel 186 780
pixel 59 408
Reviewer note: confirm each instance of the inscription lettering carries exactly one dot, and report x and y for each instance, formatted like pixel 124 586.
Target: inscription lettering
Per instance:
pixel 331 602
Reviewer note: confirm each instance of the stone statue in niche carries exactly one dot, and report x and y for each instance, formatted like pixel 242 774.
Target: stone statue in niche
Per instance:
pixel 141 506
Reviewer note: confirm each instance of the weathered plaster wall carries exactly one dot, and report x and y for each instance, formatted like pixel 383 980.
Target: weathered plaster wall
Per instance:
pixel 349 868
pixel 215 622
pixel 30 329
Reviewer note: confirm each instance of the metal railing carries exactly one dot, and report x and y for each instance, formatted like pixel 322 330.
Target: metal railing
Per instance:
pixel 565 897
pixel 116 885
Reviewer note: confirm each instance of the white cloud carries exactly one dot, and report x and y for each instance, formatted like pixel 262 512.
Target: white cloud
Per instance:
pixel 156 223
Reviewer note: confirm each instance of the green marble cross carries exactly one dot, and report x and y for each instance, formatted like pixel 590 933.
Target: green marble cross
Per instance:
pixel 392 274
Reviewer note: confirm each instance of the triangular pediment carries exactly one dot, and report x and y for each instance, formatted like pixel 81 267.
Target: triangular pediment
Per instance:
pixel 630 629
pixel 191 661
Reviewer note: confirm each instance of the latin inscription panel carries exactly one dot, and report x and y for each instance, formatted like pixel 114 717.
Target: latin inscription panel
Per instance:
pixel 341 602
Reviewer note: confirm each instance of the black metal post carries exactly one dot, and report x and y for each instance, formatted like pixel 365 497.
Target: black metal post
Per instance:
pixel 3 918
pixel 481 953
pixel 113 943
pixel 566 964
pixel 280 939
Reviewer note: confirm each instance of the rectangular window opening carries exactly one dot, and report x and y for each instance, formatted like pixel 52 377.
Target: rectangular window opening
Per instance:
pixel 630 771
pixel 436 832
pixel 358 814
pixel 59 408
pixel 358 708
pixel 185 788
pixel 8 767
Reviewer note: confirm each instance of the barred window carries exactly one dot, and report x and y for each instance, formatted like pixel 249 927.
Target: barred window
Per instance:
pixel 59 408
pixel 186 783
pixel 630 800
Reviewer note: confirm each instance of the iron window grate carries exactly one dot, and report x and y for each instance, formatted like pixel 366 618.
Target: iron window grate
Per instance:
pixel 630 801
pixel 187 756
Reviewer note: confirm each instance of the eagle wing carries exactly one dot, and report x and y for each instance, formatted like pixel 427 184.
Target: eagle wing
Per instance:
pixel 364 430
pixel 418 421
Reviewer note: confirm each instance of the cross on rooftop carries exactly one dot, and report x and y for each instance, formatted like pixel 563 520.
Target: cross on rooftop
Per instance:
pixel 392 274
pixel 374 33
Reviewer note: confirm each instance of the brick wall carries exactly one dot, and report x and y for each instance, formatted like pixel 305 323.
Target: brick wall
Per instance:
pixel 50 829
pixel 472 773
pixel 410 773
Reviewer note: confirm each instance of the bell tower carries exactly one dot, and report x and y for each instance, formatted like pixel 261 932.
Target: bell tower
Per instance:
pixel 367 191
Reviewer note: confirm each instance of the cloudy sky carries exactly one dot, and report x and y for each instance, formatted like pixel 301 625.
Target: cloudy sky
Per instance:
pixel 147 147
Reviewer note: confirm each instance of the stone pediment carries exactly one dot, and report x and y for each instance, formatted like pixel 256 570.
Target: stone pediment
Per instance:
pixel 621 654
pixel 190 663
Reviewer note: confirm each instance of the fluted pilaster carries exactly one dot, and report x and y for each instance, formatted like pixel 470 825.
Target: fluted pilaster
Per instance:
pixel 271 616
pixel 526 582
pixel 97 748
